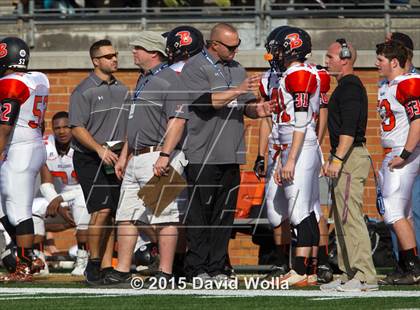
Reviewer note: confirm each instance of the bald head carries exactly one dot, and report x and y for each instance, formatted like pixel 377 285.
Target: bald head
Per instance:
pixel 224 42
pixel 222 30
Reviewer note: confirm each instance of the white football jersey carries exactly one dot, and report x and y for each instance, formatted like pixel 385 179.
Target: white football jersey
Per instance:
pixel 301 81
pixel 31 89
pixel 269 85
pixel 398 103
pixel 60 167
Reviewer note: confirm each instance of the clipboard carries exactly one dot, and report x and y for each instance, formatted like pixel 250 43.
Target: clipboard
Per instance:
pixel 160 192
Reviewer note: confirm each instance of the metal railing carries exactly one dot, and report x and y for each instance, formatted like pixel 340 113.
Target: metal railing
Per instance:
pixel 261 14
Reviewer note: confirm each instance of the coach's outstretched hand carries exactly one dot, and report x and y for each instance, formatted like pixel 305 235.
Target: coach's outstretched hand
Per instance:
pixel 264 108
pixel 250 84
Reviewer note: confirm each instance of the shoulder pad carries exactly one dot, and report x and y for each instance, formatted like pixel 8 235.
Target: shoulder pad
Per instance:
pixel 11 88
pixel 301 81
pixel 408 89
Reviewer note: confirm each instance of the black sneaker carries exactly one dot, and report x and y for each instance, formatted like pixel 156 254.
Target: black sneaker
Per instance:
pixel 115 278
pixel 93 272
pixel 105 271
pixel 277 271
pixel 324 273
pixel 161 280
pixel 412 275
pixel 407 278
pixel 390 277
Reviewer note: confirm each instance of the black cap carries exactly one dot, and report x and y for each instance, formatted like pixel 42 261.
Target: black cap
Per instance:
pixel 403 39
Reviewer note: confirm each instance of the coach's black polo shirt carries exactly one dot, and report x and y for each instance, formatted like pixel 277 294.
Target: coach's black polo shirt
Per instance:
pixel 348 111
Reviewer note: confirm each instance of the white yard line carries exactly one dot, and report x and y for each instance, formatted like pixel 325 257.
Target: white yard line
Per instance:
pixel 80 292
pixel 56 297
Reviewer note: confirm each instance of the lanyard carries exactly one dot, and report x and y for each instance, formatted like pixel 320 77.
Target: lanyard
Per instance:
pixel 228 83
pixel 142 85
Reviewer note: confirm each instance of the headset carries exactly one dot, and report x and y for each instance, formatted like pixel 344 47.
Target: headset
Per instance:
pixel 345 52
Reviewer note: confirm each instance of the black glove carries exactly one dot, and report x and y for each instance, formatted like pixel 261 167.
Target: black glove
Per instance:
pixel 259 167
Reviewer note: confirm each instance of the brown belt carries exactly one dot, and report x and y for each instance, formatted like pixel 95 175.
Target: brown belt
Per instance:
pixel 148 149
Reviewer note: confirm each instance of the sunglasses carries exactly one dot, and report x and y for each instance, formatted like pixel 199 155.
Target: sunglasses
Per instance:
pixel 231 48
pixel 108 56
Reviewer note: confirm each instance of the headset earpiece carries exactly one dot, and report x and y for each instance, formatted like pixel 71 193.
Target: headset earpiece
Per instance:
pixel 345 52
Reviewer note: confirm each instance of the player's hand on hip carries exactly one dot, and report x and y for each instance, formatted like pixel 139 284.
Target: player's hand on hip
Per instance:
pixel 288 171
pixel 67 216
pixel 108 157
pixel 54 206
pixel 161 166
pixel 334 169
pixel 396 162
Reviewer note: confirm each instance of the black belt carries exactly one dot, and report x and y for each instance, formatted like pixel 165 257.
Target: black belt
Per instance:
pixel 147 149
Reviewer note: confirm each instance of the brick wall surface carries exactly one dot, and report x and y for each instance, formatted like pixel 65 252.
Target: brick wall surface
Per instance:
pixel 242 250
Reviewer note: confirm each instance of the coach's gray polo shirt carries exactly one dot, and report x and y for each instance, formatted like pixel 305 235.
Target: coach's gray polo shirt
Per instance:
pixel 214 136
pixel 159 96
pixel 101 108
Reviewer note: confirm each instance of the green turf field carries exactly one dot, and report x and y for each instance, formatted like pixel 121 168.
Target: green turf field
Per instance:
pixel 197 302
pixel 75 295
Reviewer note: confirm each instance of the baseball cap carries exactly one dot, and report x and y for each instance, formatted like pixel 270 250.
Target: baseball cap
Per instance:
pixel 151 41
pixel 403 39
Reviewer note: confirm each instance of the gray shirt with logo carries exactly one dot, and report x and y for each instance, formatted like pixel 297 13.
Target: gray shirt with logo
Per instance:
pixel 214 136
pixel 101 108
pixel 159 96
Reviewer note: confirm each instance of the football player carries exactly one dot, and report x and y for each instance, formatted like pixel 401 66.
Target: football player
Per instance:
pixel 23 99
pixel 60 188
pixel 269 135
pixel 399 109
pixel 297 168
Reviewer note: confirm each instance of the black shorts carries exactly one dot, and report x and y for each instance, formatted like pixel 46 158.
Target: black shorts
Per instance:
pixel 101 191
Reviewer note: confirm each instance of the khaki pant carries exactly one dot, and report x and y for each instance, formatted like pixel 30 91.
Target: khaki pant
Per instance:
pixel 354 247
